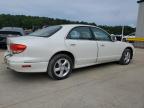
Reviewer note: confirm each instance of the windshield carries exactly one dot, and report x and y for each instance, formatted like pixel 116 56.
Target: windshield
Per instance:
pixel 10 33
pixel 46 32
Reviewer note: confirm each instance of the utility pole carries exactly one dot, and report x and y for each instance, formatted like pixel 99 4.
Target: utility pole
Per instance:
pixel 122 33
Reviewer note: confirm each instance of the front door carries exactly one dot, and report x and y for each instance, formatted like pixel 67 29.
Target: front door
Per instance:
pixel 108 50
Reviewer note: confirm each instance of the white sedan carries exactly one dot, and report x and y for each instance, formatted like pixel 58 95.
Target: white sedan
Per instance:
pixel 59 49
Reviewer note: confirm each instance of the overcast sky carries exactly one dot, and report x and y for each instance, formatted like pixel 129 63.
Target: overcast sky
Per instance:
pixel 106 12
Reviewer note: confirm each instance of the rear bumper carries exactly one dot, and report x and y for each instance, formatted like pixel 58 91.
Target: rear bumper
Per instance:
pixel 25 67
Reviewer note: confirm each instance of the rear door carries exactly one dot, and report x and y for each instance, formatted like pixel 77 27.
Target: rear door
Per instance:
pixel 81 43
pixel 108 50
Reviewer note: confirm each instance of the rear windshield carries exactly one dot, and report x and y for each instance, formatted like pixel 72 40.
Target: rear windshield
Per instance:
pixel 46 32
pixel 10 33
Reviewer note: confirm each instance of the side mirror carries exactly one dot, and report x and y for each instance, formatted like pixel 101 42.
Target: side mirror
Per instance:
pixel 113 38
pixel 124 39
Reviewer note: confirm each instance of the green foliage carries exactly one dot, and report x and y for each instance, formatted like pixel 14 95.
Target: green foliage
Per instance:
pixel 35 21
pixel 30 21
pixel 117 30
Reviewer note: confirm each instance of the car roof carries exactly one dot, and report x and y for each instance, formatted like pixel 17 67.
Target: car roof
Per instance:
pixel 76 25
pixel 71 26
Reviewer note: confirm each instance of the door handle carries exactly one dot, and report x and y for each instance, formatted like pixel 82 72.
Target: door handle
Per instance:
pixel 102 45
pixel 72 44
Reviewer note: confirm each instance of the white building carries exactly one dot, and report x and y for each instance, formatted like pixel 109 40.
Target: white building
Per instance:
pixel 140 22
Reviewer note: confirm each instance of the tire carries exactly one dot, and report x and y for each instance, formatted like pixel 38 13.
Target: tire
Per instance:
pixel 126 57
pixel 60 67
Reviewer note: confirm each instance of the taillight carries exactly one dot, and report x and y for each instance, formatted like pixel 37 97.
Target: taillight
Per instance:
pixel 17 48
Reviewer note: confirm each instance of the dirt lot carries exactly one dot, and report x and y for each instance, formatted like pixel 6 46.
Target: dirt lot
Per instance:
pixel 102 86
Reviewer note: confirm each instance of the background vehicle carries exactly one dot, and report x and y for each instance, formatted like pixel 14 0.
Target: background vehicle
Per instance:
pixel 28 31
pixel 6 32
pixel 58 49
pixel 132 35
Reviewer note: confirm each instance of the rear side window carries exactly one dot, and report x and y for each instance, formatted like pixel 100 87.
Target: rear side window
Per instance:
pixel 100 34
pixel 80 33
pixel 46 32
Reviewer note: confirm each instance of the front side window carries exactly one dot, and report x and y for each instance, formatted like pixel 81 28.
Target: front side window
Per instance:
pixel 46 32
pixel 82 33
pixel 101 35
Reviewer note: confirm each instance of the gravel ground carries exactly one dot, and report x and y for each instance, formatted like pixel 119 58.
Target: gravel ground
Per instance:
pixel 101 86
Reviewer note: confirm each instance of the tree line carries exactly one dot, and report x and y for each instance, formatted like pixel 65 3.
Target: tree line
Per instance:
pixel 29 22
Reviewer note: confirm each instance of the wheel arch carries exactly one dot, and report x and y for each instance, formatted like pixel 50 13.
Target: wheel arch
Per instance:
pixel 130 50
pixel 66 53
